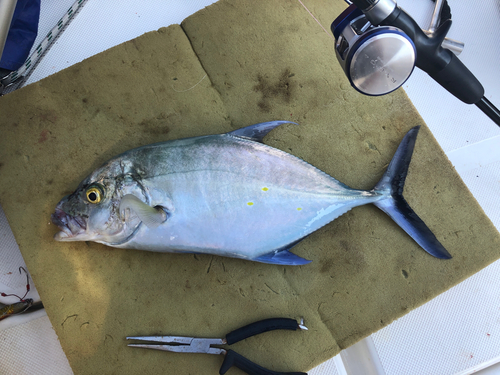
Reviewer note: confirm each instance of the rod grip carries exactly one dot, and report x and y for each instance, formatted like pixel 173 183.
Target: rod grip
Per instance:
pixel 441 64
pixel 459 81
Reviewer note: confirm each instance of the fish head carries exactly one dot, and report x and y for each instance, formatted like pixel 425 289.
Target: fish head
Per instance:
pixel 92 213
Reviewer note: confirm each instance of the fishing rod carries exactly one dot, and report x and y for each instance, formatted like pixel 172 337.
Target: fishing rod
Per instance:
pixel 378 44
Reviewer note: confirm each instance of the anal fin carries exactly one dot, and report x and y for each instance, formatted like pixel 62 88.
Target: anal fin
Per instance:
pixel 284 257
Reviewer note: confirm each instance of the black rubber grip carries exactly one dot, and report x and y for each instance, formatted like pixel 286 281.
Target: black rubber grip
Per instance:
pixel 234 359
pixel 441 64
pixel 261 327
pixel 459 81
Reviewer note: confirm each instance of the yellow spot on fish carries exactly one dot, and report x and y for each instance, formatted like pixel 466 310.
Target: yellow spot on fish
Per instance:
pixel 299 209
pixel 250 203
pixel 265 189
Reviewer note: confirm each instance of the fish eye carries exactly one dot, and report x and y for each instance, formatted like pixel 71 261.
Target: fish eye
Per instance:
pixel 94 194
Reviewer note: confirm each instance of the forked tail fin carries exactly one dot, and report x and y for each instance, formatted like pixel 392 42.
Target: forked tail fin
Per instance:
pixel 392 183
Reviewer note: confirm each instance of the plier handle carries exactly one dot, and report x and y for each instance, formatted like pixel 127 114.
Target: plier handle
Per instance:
pixel 180 344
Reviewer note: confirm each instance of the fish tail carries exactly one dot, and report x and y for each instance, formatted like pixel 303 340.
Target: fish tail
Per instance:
pixel 391 185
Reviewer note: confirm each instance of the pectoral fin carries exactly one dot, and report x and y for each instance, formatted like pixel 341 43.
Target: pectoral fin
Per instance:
pixel 152 217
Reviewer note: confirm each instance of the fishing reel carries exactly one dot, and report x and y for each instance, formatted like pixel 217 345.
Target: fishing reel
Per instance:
pixel 376 60
pixel 378 45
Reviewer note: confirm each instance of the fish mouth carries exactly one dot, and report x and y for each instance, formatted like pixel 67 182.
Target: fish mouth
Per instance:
pixel 70 226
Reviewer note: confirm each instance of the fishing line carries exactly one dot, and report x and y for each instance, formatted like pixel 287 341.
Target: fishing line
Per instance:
pixel 205 76
pixel 319 23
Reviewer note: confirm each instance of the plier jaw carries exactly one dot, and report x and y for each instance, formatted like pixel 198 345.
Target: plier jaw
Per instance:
pixel 180 344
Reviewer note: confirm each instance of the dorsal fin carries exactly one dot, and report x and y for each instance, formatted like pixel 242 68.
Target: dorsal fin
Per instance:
pixel 257 132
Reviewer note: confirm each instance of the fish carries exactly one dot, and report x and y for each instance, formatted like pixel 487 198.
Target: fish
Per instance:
pixel 226 194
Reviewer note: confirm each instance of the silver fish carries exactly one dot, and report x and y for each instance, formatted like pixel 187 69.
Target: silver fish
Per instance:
pixel 226 194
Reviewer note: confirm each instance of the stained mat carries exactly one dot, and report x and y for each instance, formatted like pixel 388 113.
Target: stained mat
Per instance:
pixel 230 65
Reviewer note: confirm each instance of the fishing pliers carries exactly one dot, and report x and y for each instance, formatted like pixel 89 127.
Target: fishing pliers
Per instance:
pixel 182 344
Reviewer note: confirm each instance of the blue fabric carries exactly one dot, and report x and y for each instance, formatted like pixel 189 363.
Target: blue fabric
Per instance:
pixel 22 34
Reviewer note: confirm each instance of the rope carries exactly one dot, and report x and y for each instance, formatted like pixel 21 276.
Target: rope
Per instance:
pixel 41 49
